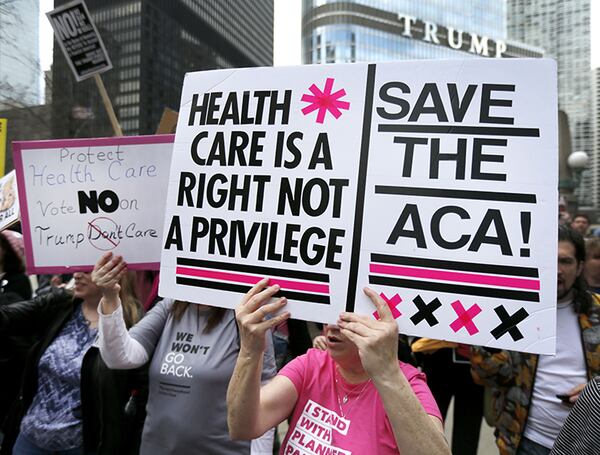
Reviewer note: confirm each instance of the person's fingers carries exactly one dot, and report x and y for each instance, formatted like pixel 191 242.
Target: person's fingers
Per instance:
pixel 104 259
pixel 102 268
pixel 366 320
pixel 257 300
pixel 114 263
pixel 274 321
pixel 573 398
pixel 258 287
pixel 358 328
pixel 266 309
pixel 108 277
pixel 319 343
pixel 576 390
pixel 357 340
pixel 385 314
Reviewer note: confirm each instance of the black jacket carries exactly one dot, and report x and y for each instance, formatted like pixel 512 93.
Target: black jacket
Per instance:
pixel 14 287
pixel 105 393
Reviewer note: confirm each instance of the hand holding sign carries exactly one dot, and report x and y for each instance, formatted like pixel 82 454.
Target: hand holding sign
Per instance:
pixel 376 340
pixel 251 313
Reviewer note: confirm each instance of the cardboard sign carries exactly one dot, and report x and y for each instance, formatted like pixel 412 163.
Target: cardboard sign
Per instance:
pixel 9 202
pixel 82 197
pixel 433 182
pixel 79 39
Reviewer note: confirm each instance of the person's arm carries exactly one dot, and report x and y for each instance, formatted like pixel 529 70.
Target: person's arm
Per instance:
pixel 117 348
pixel 252 410
pixel 29 316
pixel 415 431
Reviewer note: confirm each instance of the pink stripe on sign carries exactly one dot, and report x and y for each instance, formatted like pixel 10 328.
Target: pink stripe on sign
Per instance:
pixel 474 278
pixel 252 279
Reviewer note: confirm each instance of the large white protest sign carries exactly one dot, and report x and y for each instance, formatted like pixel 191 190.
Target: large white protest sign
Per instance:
pixel 9 203
pixel 433 182
pixel 82 197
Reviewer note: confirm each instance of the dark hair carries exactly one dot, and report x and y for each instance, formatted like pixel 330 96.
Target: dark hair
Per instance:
pixel 582 300
pixel 11 261
pixel 582 215
pixel 215 315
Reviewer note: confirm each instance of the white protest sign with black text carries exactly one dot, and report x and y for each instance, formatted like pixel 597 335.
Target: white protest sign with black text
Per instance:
pixel 79 39
pixel 82 197
pixel 433 182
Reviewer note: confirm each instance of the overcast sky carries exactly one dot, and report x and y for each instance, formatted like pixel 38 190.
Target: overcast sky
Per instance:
pixel 287 33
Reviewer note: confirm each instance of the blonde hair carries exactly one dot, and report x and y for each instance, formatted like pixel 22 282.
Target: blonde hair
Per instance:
pixel 592 245
pixel 132 309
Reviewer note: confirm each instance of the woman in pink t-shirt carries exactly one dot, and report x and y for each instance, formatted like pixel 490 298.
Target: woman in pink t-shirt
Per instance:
pixel 354 398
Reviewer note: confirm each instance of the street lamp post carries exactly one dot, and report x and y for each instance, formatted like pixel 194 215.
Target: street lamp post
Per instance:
pixel 577 162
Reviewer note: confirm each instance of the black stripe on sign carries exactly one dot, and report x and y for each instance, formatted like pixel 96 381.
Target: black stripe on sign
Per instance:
pixel 507 294
pixel 242 289
pixel 253 269
pixel 455 129
pixel 454 265
pixel 361 184
pixel 456 194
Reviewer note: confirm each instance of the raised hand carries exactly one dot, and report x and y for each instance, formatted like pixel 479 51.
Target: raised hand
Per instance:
pixel 106 274
pixel 377 341
pixel 251 312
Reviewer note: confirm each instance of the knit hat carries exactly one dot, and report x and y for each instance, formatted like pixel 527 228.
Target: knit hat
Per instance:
pixel 15 240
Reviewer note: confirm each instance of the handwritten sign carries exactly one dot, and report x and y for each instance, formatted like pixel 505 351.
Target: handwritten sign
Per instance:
pixel 414 178
pixel 82 197
pixel 9 203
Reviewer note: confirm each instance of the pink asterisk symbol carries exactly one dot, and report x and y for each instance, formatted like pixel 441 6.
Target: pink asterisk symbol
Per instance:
pixel 325 101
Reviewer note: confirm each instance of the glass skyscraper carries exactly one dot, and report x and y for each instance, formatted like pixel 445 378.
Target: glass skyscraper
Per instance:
pixel 152 44
pixel 337 31
pixel 562 28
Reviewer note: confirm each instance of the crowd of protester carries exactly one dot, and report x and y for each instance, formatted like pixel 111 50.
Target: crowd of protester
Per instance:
pixel 93 363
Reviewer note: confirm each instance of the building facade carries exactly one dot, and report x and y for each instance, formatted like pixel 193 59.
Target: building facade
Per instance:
pixel 378 30
pixel 20 71
pixel 152 44
pixel 562 29
pixel 595 167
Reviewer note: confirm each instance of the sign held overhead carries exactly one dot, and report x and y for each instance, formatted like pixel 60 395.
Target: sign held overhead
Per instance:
pixel 79 39
pixel 413 178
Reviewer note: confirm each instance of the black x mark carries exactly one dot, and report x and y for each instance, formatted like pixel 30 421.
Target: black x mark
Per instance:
pixel 509 323
pixel 425 311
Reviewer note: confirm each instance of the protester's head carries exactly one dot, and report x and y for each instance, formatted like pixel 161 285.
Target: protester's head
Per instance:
pixel 12 253
pixel 591 269
pixel 571 258
pixel 84 287
pixel 340 348
pixel 581 223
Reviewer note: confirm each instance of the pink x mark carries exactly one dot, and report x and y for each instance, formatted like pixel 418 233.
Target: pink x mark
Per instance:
pixel 392 303
pixel 465 317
